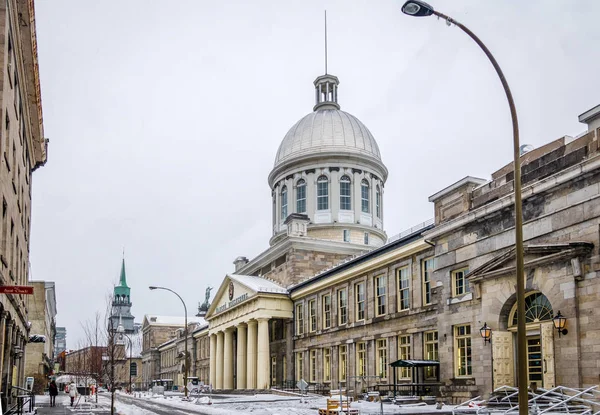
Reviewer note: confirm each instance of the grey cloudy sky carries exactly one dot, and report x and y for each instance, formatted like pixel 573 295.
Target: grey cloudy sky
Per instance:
pixel 164 119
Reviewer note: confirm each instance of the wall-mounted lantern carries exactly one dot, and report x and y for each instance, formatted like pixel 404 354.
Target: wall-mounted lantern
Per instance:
pixel 486 333
pixel 559 324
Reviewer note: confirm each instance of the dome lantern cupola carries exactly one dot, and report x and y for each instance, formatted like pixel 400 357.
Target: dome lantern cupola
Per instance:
pixel 326 89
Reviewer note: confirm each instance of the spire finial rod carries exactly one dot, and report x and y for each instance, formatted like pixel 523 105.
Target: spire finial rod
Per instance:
pixel 325 42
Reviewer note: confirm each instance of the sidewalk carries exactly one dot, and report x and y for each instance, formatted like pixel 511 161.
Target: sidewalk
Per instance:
pixel 63 406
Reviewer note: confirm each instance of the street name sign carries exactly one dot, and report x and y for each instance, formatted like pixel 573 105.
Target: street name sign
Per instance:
pixel 16 289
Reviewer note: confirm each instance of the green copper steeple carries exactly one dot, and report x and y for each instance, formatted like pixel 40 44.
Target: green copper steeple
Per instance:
pixel 122 289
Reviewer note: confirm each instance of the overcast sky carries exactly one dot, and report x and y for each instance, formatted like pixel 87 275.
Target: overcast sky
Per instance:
pixel 164 119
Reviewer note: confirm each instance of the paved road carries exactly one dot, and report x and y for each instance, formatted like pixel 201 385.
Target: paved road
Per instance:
pixel 155 407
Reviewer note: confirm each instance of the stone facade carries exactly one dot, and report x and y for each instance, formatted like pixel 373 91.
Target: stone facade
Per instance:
pixel 39 356
pixel 22 150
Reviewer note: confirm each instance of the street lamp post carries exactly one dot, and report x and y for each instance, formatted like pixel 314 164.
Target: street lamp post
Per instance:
pixel 421 9
pixel 185 334
pixel 121 331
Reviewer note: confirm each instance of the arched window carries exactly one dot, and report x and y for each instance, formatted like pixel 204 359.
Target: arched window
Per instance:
pixel 284 202
pixel 377 201
pixel 133 369
pixel 345 194
pixel 364 196
pixel 301 196
pixel 537 309
pixel 322 193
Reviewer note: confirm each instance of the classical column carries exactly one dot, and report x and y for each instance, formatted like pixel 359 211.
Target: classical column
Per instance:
pixel 213 360
pixel 262 375
pixel 289 350
pixel 228 359
pixel 242 349
pixel 219 360
pixel 8 356
pixel 251 355
pixel 3 316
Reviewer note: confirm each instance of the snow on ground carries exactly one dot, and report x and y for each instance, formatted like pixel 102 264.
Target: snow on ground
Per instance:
pixel 262 404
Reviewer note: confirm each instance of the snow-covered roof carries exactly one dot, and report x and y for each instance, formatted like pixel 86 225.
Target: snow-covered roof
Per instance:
pixel 173 320
pixel 259 284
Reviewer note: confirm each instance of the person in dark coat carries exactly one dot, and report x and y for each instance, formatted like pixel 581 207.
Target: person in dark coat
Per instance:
pixel 53 391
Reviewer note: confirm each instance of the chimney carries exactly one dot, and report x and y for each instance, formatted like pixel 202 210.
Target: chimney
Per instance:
pixel 592 119
pixel 240 262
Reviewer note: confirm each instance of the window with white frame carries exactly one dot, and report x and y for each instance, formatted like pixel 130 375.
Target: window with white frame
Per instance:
pixel 342 307
pixel 430 341
pixel 312 315
pixel 322 193
pixel 284 202
pixel 404 354
pixel 345 193
pixel 326 364
pixel 462 350
pixel 361 359
pixel 299 319
pixel 299 365
pixel 366 239
pixel 343 360
pixel 380 294
pixel 346 235
pixel 273 370
pixel 382 369
pixel 359 290
pixel 460 285
pixel 301 196
pixel 364 196
pixel 326 311
pixel 426 271
pixel 313 366
pixel 377 202
pixel 403 289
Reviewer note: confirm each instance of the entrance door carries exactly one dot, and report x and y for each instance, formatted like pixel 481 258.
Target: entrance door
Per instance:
pixel 502 357
pixel 547 330
pixel 534 361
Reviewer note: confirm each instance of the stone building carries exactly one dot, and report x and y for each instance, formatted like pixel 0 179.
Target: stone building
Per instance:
pixel 332 301
pixel 39 354
pixel 22 150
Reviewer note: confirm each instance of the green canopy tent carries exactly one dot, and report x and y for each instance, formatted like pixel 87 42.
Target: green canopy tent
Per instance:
pixel 414 364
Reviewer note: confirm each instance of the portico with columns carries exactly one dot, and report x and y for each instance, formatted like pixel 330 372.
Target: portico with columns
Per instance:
pixel 239 331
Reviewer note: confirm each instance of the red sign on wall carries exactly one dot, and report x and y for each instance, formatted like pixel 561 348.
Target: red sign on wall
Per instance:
pixel 16 289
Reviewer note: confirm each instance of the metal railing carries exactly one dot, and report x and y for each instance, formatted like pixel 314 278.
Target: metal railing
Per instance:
pixel 412 230
pixel 410 389
pixel 316 388
pixel 26 397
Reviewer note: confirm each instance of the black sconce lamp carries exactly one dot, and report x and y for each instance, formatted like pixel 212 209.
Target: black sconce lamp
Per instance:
pixel 486 333
pixel 559 324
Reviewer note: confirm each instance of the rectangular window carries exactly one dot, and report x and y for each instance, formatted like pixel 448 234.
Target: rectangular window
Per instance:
pixel 462 346
pixel 426 270
pixel 326 311
pixel 284 203
pixel 378 202
pixel 299 366
pixel 382 358
pixel 301 198
pixel 342 307
pixel 380 289
pixel 322 195
pixel 345 198
pixel 299 319
pixel 346 235
pixel 404 354
pixel 133 369
pixel 343 354
pixel 460 285
pixel 364 197
pixel 312 314
pixel 359 289
pixel 273 370
pixel 403 289
pixel 361 359
pixel 326 365
pixel 366 240
pixel 430 339
pixel 313 366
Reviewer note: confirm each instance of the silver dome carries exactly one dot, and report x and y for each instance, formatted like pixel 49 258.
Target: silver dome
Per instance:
pixel 327 130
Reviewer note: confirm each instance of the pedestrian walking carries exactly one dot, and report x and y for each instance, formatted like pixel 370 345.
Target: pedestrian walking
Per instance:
pixel 53 391
pixel 72 392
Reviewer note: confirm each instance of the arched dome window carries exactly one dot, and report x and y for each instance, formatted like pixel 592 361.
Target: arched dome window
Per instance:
pixel 345 193
pixel 377 202
pixel 284 202
pixel 301 196
pixel 322 193
pixel 364 196
pixel 537 309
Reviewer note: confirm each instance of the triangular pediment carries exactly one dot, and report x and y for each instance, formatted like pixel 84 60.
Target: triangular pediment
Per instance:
pixel 534 255
pixel 230 290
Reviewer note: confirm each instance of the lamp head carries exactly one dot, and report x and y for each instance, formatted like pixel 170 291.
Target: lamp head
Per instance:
pixel 417 8
pixel 486 333
pixel 560 322
pixel 152 287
